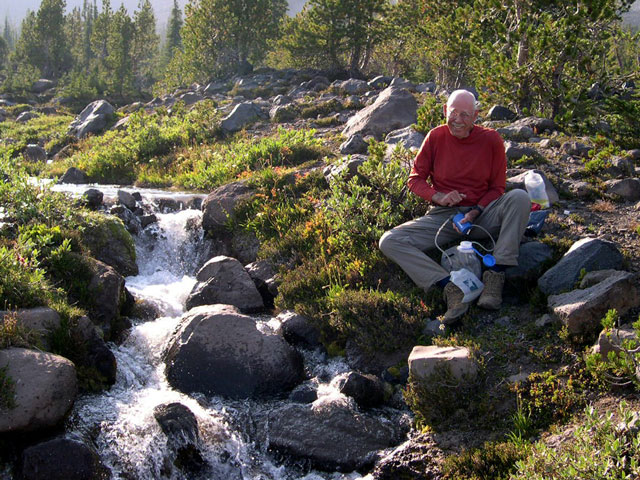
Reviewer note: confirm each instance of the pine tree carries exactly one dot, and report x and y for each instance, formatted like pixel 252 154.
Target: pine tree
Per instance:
pixel 219 36
pixel 337 34
pixel 119 74
pixel 174 39
pixel 145 45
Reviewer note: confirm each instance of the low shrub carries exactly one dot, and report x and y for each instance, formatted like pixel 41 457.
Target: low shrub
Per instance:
pixel 493 461
pixel 601 448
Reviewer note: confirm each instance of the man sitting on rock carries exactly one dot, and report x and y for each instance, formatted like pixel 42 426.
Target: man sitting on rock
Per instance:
pixel 461 167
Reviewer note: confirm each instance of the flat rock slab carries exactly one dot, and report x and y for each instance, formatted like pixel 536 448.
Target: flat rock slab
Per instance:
pixel 424 360
pixel 581 311
pixel 588 254
pixel 44 385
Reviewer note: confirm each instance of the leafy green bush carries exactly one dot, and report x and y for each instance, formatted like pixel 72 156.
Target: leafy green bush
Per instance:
pixel 549 397
pixel 208 166
pixel 620 367
pixel 622 115
pixel 22 281
pixel 494 461
pixel 430 114
pixel 602 447
pixel 376 321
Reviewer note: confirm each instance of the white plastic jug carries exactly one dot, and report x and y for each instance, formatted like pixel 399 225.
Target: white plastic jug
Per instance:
pixel 534 184
pixel 470 284
pixel 460 257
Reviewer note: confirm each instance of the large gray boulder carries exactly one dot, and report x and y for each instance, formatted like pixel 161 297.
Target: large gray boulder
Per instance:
pixel 242 115
pixel 219 206
pixel 329 434
pixel 35 153
pixel 107 290
pixel 628 189
pixel 531 258
pixel 75 176
pixel 393 109
pixel 582 310
pixel 587 254
pixel 42 320
pixel 224 280
pixel 92 119
pixel 44 387
pixel 109 242
pixel 42 85
pixel 218 351
pixel 62 459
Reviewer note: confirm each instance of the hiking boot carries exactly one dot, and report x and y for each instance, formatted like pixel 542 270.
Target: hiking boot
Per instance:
pixel 491 297
pixel 455 308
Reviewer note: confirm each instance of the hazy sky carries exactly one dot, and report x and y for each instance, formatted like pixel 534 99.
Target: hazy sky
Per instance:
pixel 17 9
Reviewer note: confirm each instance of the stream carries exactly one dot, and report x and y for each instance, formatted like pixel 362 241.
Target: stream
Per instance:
pixel 120 421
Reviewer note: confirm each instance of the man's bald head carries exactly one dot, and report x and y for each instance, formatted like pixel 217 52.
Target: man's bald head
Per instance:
pixel 461 111
pixel 464 98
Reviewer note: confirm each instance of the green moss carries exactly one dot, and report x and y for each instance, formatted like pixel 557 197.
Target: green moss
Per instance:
pixel 7 390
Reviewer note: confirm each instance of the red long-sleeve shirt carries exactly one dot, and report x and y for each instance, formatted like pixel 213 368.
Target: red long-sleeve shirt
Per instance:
pixel 475 165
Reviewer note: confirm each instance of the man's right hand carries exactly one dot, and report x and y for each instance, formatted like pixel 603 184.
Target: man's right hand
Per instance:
pixel 448 199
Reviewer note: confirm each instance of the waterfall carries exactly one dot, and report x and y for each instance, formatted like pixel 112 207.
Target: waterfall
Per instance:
pixel 120 421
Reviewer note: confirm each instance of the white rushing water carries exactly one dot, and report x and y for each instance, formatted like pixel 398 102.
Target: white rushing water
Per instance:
pixel 120 421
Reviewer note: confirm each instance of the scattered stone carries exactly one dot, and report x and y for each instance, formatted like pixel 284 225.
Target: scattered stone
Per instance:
pixel 354 144
pixel 520 133
pixel 399 82
pixel 219 206
pixel 283 113
pixel 224 280
pixel 628 189
pixel 190 98
pixel 42 85
pixel 429 87
pixel 348 167
pixel 587 254
pixel 366 390
pixel 45 388
pixel 576 149
pixel 393 109
pixel 612 340
pixel 127 199
pixel 581 311
pixel 498 112
pixel 305 393
pixel 42 320
pixel 352 86
pixel 34 153
pixel 424 360
pixel 62 459
pixel 548 143
pixel 407 137
pixel 531 258
pixel 329 434
pixel 298 330
pixel 515 151
pixel 419 458
pixel 95 354
pixel 539 125
pixel 24 117
pixel 107 290
pixel 544 320
pixel 266 279
pixel 75 176
pixel 218 351
pixel 92 119
pixel 242 115
pixel 381 81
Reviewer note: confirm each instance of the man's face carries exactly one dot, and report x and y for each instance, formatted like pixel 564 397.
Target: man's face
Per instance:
pixel 461 115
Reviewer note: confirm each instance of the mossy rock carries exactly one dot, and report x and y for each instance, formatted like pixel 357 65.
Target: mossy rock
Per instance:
pixel 108 241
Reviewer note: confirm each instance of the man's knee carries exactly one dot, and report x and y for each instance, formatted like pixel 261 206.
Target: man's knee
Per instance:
pixel 386 242
pixel 519 200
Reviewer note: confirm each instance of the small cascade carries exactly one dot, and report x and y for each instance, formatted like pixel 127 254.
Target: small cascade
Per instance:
pixel 121 422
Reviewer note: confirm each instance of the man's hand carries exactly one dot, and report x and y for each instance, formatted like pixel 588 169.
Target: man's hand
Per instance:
pixel 469 217
pixel 448 199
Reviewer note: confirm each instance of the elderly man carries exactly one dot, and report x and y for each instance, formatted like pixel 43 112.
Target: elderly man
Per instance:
pixel 460 168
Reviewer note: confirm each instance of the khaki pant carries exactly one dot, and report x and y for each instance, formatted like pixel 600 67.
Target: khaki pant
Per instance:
pixel 505 218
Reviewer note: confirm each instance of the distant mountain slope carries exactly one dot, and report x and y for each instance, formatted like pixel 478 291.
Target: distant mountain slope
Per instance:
pixel 17 10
